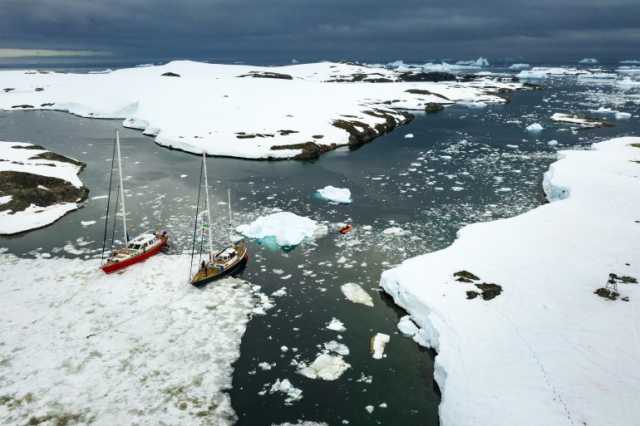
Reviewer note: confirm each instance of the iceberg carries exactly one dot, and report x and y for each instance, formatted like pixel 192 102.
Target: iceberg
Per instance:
pixel 588 61
pixel 285 228
pixel 534 128
pixel 517 305
pixel 519 67
pixel 337 195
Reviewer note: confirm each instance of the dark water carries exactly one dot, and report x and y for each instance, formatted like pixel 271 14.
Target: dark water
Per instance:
pixel 462 166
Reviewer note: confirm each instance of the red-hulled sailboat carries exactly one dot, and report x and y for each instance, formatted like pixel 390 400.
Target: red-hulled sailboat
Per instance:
pixel 141 247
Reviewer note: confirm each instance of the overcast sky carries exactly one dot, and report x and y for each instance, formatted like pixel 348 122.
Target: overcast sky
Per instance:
pixel 278 30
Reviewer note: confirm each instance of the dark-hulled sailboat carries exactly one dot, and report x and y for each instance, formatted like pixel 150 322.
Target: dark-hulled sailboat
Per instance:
pixel 220 263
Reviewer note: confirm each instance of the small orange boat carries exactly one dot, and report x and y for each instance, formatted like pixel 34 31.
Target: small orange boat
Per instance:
pixel 346 229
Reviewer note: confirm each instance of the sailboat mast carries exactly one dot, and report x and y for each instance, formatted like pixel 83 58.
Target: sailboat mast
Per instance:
pixel 124 211
pixel 229 202
pixel 206 190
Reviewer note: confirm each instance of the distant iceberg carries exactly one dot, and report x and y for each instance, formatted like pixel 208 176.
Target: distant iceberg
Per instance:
pixel 519 67
pixel 589 61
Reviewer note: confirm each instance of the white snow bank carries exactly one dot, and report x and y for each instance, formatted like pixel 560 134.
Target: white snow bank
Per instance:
pixel 356 294
pixel 219 109
pixel 547 344
pixel 137 347
pixel 285 228
pixel 21 157
pixel 337 195
pixel 534 128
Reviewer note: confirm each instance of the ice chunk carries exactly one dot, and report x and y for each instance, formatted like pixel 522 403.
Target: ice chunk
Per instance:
pixel 292 393
pixel 356 294
pixel 407 327
pixel 534 128
pixel 337 195
pixel 408 136
pixel 378 342
pixel 285 228
pixel 518 67
pixel 325 367
pixel 336 325
pixel 395 231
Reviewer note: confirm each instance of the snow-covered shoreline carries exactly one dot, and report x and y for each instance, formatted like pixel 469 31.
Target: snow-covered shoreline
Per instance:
pixel 37 187
pixel 296 111
pixel 538 346
pixel 139 347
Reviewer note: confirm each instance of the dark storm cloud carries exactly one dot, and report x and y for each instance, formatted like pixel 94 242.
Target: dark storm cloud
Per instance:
pixel 359 29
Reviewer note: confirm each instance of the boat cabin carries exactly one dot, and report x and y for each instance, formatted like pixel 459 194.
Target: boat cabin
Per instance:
pixel 226 254
pixel 142 242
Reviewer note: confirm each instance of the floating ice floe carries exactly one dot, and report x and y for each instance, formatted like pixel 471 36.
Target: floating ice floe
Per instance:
pixel 534 128
pixel 408 136
pixel 378 343
pixel 337 195
pixel 286 229
pixel 395 231
pixel 38 171
pixel 284 386
pixel 584 122
pixel 325 367
pixel 618 115
pixel 336 325
pixel 356 294
pixel 521 305
pixel 174 103
pixel 114 341
pixel 406 326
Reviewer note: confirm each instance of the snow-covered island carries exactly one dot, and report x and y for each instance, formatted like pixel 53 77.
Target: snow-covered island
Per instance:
pixel 37 187
pixel 535 318
pixel 295 111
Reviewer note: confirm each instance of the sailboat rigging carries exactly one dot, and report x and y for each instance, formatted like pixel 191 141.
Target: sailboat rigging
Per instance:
pixel 139 248
pixel 220 263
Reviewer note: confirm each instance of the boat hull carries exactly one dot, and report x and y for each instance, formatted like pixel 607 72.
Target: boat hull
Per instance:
pixel 236 268
pixel 109 268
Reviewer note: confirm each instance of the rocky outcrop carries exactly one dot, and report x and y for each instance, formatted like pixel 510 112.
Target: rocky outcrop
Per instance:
pixel 267 74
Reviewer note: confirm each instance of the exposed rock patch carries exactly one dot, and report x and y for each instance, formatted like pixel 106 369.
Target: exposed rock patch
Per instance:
pixel 170 74
pixel 267 74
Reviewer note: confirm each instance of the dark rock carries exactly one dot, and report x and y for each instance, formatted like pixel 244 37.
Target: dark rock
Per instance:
pixel 47 104
pixel 624 279
pixel 22 106
pixel 317 136
pixel 33 146
pixel 607 294
pixel 39 89
pixel 489 290
pixel 267 74
pixel 532 86
pixel 8 89
pixel 287 132
pixel 170 74
pixel 26 189
pixel 310 150
pixel 426 76
pixel 465 276
pixel 426 92
pixel 472 294
pixel 52 156
pixel 433 107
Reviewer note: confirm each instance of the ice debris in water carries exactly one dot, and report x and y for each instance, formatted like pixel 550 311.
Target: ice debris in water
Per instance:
pixel 336 325
pixel 286 228
pixel 325 367
pixel 337 195
pixel 292 393
pixel 394 231
pixel 356 294
pixel 378 342
pixel 408 136
pixel 407 327
pixel 534 128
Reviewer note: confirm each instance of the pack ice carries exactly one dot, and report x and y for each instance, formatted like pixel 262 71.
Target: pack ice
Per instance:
pixel 536 316
pixel 143 347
